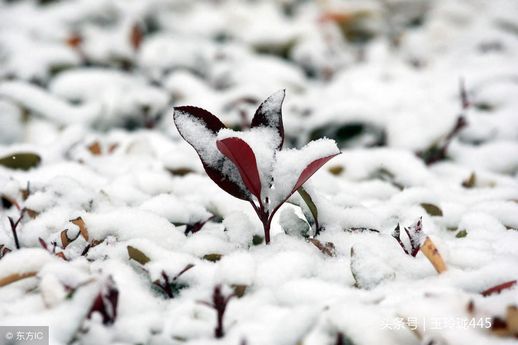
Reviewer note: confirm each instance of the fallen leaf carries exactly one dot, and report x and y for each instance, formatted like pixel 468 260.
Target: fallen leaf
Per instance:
pixel 138 255
pixel 31 213
pixel 336 169
pixel 136 36
pixel 470 182
pixel 180 171
pixel 4 251
pixel 212 257
pixel 95 148
pixel 239 290
pixel 82 227
pixel 65 240
pixel 507 327
pixel 20 161
pixel 461 234
pixel 430 251
pixel 16 277
pixel 432 209
pixel 74 40
pixel 327 248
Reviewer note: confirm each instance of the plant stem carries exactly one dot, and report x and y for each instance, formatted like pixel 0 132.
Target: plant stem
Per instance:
pixel 15 235
pixel 219 332
pixel 266 227
pixel 14 226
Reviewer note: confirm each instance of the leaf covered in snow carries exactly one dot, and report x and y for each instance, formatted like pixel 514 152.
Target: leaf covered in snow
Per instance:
pixel 252 162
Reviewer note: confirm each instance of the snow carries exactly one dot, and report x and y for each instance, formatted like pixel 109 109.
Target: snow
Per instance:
pixel 289 165
pixel 378 78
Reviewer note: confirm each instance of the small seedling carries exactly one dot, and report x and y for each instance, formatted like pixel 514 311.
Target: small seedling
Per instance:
pixel 219 304
pixel 251 165
pixel 14 227
pixel 439 151
pixel 171 286
pixel 420 241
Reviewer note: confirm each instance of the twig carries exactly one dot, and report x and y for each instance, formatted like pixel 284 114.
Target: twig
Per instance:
pixel 14 226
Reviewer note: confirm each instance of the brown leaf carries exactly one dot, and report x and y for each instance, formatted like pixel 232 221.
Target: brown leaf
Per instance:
pixel 82 227
pixel 15 277
pixel 136 36
pixel 507 327
pixel 180 171
pixel 138 255
pixel 65 241
pixel 470 307
pixel 430 251
pixel 212 257
pixel 327 248
pixel 4 250
pixel 95 148
pixel 61 255
pixel 239 290
pixel 470 182
pixel 74 40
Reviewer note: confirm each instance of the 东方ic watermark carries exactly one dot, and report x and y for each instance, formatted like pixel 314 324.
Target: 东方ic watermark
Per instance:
pixel 24 335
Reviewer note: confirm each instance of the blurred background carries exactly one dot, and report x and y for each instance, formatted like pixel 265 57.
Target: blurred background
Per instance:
pixel 367 73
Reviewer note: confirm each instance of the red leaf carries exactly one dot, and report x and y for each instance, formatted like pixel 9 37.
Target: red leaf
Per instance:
pixel 106 303
pixel 310 170
pixel 498 288
pixel 269 114
pixel 136 36
pixel 243 158
pixel 212 123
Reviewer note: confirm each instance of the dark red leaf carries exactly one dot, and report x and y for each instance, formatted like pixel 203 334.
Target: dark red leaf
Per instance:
pixel 43 244
pixel 212 123
pixel 225 184
pixel 498 288
pixel 310 170
pixel 269 114
pixel 243 157
pixel 106 303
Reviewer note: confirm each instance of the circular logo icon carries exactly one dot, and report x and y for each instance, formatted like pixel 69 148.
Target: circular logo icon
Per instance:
pixel 9 335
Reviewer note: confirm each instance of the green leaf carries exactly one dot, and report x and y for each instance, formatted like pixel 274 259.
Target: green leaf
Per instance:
pixel 257 240
pixel 432 209
pixel 311 205
pixel 21 161
pixel 461 234
pixel 212 257
pixel 471 181
pixel 137 255
pixel 336 170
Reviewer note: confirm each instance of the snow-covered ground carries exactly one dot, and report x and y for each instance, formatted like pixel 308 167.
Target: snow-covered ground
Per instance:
pixel 124 239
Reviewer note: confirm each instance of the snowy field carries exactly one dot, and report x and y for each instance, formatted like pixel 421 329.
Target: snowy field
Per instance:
pixel 112 231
